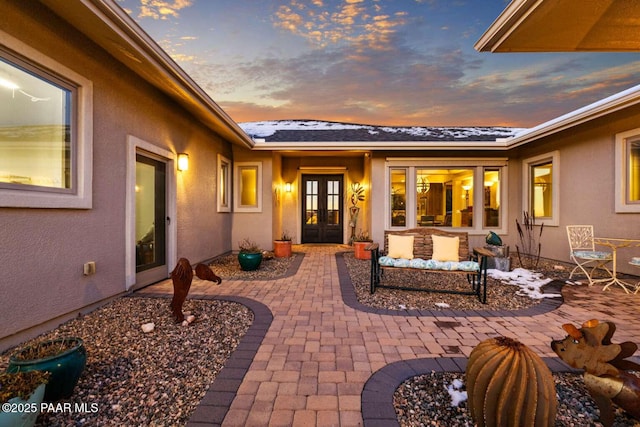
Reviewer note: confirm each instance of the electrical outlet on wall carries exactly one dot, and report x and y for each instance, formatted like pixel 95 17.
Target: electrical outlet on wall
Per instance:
pixel 89 268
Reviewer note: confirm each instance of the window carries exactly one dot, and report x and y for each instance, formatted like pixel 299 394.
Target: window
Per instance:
pixel 248 187
pixel 224 184
pixel 491 198
pixel 542 187
pixel 451 192
pixel 627 192
pixel 398 186
pixel 444 197
pixel 45 131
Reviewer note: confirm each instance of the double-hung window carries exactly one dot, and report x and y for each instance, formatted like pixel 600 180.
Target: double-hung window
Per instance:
pixel 45 131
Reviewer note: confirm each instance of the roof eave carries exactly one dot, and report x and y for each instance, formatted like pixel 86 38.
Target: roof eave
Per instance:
pixel 109 26
pixel 616 102
pixel 504 24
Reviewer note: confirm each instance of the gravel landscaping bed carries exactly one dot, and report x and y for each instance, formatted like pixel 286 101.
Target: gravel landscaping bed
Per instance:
pixel 158 378
pixel 227 267
pixel 499 296
pixel 424 401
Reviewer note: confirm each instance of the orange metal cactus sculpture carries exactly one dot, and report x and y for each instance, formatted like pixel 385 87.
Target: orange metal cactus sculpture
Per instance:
pixel 205 273
pixel 508 384
pixel 181 276
pixel 607 375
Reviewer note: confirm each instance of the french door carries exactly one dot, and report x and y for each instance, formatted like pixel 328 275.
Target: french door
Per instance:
pixel 322 209
pixel 151 219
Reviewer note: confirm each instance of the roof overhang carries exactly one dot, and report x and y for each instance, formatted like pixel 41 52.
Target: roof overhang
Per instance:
pixel 564 26
pixel 104 22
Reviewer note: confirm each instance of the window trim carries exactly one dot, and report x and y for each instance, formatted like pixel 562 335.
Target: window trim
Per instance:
pixel 477 165
pixel 622 205
pixel 223 205
pixel 81 196
pixel 528 163
pixel 237 187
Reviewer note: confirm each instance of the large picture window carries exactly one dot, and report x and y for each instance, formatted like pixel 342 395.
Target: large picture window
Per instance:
pixel 627 191
pixel 45 131
pixel 432 193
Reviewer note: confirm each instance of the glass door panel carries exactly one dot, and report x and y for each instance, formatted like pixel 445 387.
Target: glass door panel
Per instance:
pixel 150 213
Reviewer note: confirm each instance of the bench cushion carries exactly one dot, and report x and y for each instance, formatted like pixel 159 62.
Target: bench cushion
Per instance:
pixel 401 246
pixel 445 248
pixel 430 264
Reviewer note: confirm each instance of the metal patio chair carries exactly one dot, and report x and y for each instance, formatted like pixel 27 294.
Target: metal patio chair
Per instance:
pixel 584 254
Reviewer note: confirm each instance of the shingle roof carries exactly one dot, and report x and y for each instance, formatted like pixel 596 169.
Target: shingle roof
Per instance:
pixel 318 131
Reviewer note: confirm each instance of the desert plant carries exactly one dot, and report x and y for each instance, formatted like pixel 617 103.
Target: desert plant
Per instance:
pixel 285 237
pixel 362 236
pixel 530 247
pixel 508 384
pixel 248 246
pixel 21 384
pixel 46 349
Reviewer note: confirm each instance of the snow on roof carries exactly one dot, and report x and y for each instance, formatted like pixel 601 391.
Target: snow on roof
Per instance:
pixel 314 130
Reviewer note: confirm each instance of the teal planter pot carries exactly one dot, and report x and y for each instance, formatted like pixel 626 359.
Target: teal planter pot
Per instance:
pixel 65 367
pixel 26 418
pixel 249 261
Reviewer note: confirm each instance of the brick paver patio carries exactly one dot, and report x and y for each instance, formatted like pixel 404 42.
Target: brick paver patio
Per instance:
pixel 315 356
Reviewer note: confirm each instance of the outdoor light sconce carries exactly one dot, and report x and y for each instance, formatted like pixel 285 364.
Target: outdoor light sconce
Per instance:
pixel 287 187
pixel 183 161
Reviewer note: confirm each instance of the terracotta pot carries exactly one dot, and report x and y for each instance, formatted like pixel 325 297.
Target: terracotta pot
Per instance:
pixel 360 252
pixel 282 248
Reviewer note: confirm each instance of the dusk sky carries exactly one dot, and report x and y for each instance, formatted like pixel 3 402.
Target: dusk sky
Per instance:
pixel 382 62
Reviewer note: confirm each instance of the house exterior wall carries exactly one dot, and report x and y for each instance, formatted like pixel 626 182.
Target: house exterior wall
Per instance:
pixel 43 250
pixel 587 174
pixel 255 226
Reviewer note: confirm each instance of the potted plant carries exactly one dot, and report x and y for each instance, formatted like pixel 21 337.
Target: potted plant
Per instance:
pixel 21 394
pixel 360 242
pixel 282 246
pixel 250 255
pixel 63 358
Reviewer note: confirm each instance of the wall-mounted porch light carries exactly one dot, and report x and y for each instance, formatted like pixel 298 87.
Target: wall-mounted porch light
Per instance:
pixel 287 187
pixel 183 161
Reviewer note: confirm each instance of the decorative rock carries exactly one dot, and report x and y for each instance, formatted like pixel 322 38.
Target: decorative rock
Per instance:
pixel 148 327
pixel 185 323
pixel 190 318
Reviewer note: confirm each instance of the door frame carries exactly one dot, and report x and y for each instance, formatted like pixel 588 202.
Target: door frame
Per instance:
pixel 134 146
pixel 310 170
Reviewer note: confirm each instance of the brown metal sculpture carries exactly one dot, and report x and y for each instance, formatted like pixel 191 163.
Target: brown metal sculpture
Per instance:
pixel 181 276
pixel 205 273
pixel 607 375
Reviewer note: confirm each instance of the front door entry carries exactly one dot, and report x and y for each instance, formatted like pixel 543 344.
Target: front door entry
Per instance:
pixel 322 209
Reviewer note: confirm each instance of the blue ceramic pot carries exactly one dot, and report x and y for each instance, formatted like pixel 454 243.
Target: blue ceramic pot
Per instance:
pixel 65 367
pixel 249 261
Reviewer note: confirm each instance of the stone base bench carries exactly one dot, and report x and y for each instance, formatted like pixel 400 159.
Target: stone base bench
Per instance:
pixel 418 250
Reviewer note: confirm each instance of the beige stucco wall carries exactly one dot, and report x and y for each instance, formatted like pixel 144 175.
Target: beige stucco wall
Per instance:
pixel 255 226
pixel 587 185
pixel 43 250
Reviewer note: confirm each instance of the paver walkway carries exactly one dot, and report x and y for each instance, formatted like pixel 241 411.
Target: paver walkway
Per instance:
pixel 318 352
